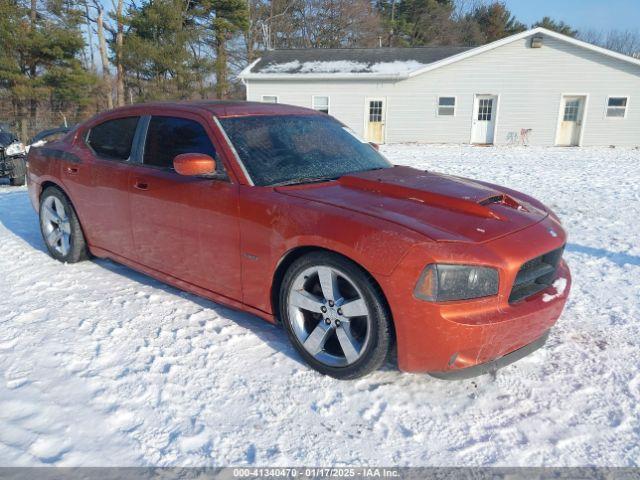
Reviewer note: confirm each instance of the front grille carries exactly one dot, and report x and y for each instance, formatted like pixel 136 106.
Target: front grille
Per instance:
pixel 535 275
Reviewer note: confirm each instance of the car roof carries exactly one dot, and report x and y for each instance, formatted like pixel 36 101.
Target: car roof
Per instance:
pixel 219 108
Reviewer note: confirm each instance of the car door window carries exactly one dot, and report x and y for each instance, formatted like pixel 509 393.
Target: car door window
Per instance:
pixel 168 137
pixel 113 139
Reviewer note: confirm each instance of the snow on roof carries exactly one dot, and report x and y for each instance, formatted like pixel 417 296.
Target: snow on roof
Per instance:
pixel 337 66
pixel 396 67
pixel 375 61
pixel 343 66
pixel 282 67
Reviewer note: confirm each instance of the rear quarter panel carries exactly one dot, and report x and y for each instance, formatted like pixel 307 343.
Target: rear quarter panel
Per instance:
pixel 41 168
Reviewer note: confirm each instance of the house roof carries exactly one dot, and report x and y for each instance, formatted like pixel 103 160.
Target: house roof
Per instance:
pixel 384 63
pixel 351 60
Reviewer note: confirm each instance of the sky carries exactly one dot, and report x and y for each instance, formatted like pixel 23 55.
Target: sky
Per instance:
pixel 581 14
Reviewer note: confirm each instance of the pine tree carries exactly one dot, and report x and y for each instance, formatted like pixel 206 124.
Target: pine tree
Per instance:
pixel 560 27
pixel 160 51
pixel 417 22
pixel 224 19
pixel 496 21
pixel 40 52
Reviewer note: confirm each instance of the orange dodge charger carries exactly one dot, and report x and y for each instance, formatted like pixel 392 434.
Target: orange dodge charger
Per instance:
pixel 284 213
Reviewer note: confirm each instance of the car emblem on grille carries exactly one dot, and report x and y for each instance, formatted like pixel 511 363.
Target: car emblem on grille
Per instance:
pixel 552 232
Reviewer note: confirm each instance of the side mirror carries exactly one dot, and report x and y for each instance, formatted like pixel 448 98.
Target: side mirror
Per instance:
pixel 375 146
pixel 192 164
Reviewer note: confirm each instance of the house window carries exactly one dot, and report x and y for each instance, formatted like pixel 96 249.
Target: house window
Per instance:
pixel 375 111
pixel 446 106
pixel 485 109
pixel 270 98
pixel 321 104
pixel 571 109
pixel 617 107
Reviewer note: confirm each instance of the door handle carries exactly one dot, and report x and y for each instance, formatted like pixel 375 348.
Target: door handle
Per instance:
pixel 140 185
pixel 71 170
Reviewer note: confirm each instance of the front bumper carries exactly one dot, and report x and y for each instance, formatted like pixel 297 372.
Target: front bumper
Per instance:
pixel 454 336
pixel 493 365
pixel 5 169
pixel 7 163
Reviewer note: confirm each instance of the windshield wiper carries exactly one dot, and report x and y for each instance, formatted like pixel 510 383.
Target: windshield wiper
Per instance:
pixel 303 180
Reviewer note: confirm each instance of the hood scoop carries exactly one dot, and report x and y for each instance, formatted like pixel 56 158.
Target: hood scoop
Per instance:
pixel 502 199
pixel 440 207
pixel 494 199
pixel 463 200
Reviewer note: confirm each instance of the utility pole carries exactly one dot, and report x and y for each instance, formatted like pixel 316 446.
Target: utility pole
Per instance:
pixel 33 71
pixel 120 100
pixel 393 21
pixel 90 35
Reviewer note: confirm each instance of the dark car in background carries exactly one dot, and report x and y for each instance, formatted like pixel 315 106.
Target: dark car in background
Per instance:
pixel 47 136
pixel 13 158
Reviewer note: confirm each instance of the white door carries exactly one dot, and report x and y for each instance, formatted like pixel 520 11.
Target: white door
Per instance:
pixel 484 119
pixel 571 115
pixel 374 115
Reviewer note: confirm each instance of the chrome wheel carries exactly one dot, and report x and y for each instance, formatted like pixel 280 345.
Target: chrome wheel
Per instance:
pixel 55 225
pixel 329 316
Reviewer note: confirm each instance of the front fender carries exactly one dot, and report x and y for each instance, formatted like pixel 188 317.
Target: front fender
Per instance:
pixel 273 225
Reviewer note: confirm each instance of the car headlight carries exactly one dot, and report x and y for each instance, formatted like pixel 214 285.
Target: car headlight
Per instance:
pixel 442 283
pixel 16 148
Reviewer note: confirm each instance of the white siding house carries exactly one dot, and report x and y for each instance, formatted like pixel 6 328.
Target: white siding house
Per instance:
pixel 537 87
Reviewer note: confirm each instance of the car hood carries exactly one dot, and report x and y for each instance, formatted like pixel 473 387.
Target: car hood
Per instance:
pixel 442 207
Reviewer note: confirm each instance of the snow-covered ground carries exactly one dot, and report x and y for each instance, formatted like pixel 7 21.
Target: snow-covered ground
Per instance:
pixel 100 365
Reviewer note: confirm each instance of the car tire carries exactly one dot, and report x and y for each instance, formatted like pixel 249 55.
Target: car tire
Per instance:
pixel 18 172
pixel 320 327
pixel 60 227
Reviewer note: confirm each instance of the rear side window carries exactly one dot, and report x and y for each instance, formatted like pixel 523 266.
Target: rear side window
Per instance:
pixel 168 137
pixel 113 139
